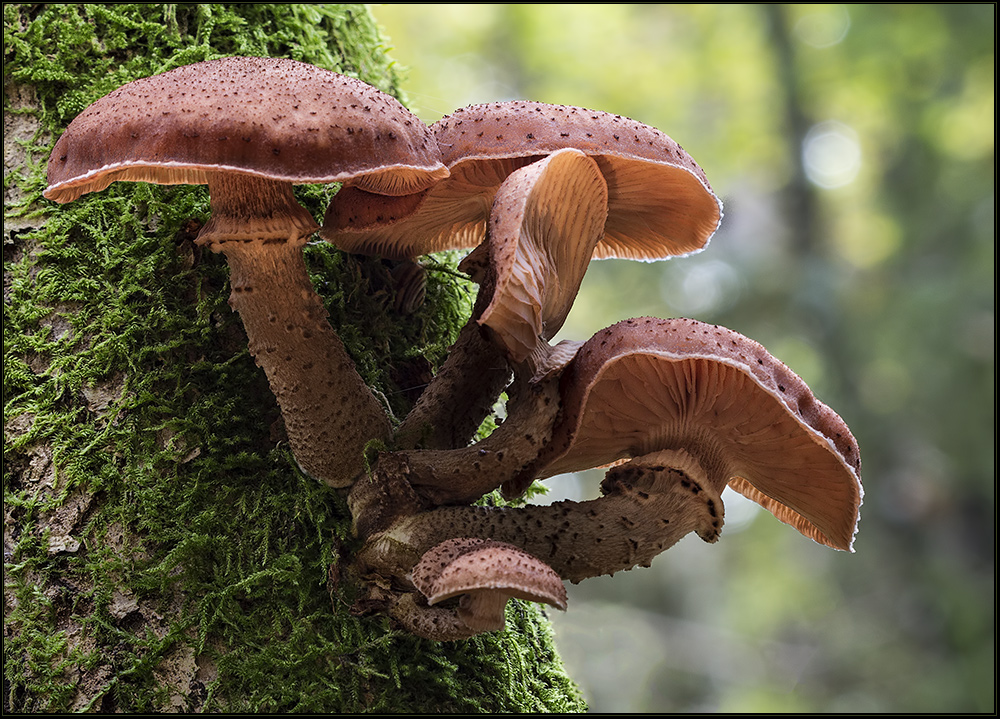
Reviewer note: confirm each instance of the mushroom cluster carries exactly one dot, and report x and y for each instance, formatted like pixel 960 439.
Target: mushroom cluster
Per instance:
pixel 678 409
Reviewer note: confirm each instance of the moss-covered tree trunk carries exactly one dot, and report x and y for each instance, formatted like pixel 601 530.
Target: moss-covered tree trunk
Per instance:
pixel 161 551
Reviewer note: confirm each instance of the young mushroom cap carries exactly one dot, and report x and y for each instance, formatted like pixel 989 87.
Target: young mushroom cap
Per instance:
pixel 546 220
pixel 717 400
pixel 270 118
pixel 486 573
pixel 659 202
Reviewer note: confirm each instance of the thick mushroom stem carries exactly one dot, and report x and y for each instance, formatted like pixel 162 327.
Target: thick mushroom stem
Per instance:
pixel 330 414
pixel 648 506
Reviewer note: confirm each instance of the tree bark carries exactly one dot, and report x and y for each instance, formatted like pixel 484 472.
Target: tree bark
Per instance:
pixel 162 552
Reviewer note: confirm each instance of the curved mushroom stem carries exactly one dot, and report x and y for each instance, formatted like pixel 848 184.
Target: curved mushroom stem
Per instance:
pixel 330 413
pixel 461 395
pixel 405 482
pixel 646 509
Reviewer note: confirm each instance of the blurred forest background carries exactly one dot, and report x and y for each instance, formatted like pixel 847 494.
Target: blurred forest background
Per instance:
pixel 853 146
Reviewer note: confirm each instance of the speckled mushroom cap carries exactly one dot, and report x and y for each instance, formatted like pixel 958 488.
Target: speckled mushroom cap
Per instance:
pixel 488 573
pixel 271 118
pixel 659 202
pixel 647 384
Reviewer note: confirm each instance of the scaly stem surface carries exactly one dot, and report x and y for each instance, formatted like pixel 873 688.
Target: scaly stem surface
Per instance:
pixel 330 414
pixel 406 482
pixel 646 509
pixel 461 395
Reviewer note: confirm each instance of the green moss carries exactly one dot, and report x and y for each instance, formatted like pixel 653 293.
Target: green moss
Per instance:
pixel 136 424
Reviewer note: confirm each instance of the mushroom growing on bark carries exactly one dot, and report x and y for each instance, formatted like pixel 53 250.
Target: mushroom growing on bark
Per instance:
pixel 484 574
pixel 686 409
pixel 547 218
pixel 250 128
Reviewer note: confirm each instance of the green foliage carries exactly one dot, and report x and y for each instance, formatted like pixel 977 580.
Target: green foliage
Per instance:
pixel 188 565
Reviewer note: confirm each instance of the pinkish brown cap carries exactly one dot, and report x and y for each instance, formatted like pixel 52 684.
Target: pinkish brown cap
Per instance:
pixel 721 400
pixel 270 118
pixel 250 128
pixel 487 573
pixel 659 202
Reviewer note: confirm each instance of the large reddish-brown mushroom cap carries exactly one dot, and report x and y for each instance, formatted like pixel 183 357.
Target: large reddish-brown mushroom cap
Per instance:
pixel 659 202
pixel 648 384
pixel 271 118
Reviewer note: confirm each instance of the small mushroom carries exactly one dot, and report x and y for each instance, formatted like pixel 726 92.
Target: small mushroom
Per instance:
pixel 484 574
pixel 717 406
pixel 250 128
pixel 659 202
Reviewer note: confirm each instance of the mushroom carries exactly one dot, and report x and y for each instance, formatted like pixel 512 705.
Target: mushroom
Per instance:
pixel 715 405
pixel 484 574
pixel 546 220
pixel 250 128
pixel 659 202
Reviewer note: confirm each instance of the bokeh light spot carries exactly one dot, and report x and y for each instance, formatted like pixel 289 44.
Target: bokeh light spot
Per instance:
pixel 831 154
pixel 706 287
pixel 823 25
